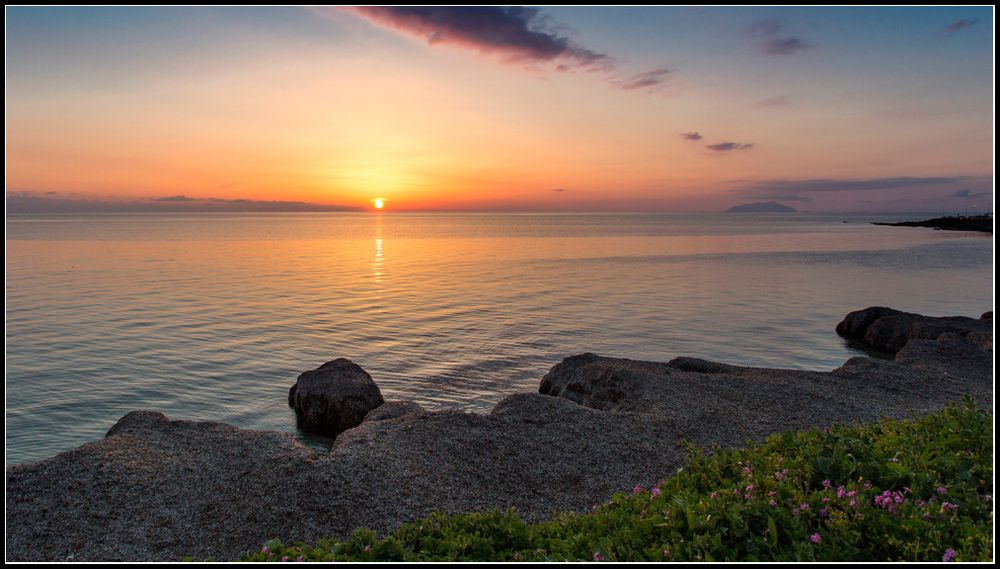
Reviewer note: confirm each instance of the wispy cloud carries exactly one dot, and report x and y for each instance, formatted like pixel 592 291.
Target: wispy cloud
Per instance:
pixel 647 80
pixel 959 25
pixel 771 39
pixel 691 136
pixel 969 194
pixel 513 35
pixel 775 101
pixel 774 187
pixel 558 189
pixel 727 146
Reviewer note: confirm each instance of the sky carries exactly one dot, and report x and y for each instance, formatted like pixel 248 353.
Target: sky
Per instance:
pixel 836 109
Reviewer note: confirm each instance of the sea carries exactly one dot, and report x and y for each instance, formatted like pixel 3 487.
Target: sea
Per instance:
pixel 211 316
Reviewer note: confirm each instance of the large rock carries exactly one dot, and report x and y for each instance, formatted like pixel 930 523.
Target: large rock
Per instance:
pixel 333 397
pixel 888 330
pixel 855 324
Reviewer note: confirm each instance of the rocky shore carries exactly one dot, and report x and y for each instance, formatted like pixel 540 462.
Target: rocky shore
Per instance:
pixel 161 489
pixel 980 223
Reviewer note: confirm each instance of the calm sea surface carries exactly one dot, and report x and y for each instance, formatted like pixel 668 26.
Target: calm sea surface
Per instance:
pixel 212 316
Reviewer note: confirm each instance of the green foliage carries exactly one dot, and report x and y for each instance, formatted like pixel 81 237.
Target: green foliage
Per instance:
pixel 918 490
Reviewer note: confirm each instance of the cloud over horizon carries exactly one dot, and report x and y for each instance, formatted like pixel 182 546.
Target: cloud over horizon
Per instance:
pixel 691 136
pixel 969 194
pixel 727 146
pixel 771 39
pixel 848 184
pixel 34 202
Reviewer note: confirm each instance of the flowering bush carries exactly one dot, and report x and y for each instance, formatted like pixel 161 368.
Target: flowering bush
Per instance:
pixel 918 490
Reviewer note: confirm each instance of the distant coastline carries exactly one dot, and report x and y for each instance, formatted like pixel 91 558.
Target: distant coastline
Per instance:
pixel 981 223
pixel 762 207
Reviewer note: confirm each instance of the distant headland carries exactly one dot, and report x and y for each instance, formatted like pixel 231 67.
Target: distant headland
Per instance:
pixel 762 207
pixel 982 223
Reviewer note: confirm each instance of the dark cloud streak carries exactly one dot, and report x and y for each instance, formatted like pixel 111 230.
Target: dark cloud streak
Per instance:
pixel 772 41
pixel 512 34
pixel 648 79
pixel 516 34
pixel 728 146
pixel 959 25
pixel 842 185
pixel 33 202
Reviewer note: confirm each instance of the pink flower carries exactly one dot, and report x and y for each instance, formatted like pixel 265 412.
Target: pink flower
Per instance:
pixel 747 470
pixel 657 491
pixel 637 489
pixel 299 559
pixel 949 555
pixel 265 550
pixel 815 538
pixel 666 552
pixel 772 503
pixel 942 490
pixel 284 558
pixel 948 507
pixel 597 556
pixel 713 495
pixel 827 484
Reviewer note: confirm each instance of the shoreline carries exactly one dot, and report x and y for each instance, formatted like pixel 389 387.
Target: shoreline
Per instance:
pixel 977 223
pixel 161 489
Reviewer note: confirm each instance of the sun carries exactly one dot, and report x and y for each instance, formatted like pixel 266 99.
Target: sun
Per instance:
pixel 379 203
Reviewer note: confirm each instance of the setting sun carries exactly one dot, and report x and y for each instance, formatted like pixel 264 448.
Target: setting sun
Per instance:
pixel 378 203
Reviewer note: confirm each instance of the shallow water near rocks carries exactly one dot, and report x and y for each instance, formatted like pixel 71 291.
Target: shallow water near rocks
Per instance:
pixel 212 316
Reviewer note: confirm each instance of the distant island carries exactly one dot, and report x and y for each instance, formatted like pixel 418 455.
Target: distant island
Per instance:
pixel 762 207
pixel 983 223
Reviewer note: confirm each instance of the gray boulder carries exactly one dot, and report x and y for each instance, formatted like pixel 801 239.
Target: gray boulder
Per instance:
pixel 333 397
pixel 888 330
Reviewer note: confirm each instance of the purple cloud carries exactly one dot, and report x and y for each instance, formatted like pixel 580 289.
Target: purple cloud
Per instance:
pixel 727 146
pixel 515 34
pixel 772 41
pixel 969 194
pixel 962 24
pixel 691 136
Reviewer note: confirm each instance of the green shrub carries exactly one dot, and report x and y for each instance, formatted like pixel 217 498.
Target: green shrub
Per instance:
pixel 917 490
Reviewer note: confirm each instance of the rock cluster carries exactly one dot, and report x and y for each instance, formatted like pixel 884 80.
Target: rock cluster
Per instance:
pixel 161 489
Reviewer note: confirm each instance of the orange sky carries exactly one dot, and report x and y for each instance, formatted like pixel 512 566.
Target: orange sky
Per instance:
pixel 340 108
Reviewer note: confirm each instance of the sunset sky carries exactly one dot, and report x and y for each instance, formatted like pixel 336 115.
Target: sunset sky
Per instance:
pixel 569 109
